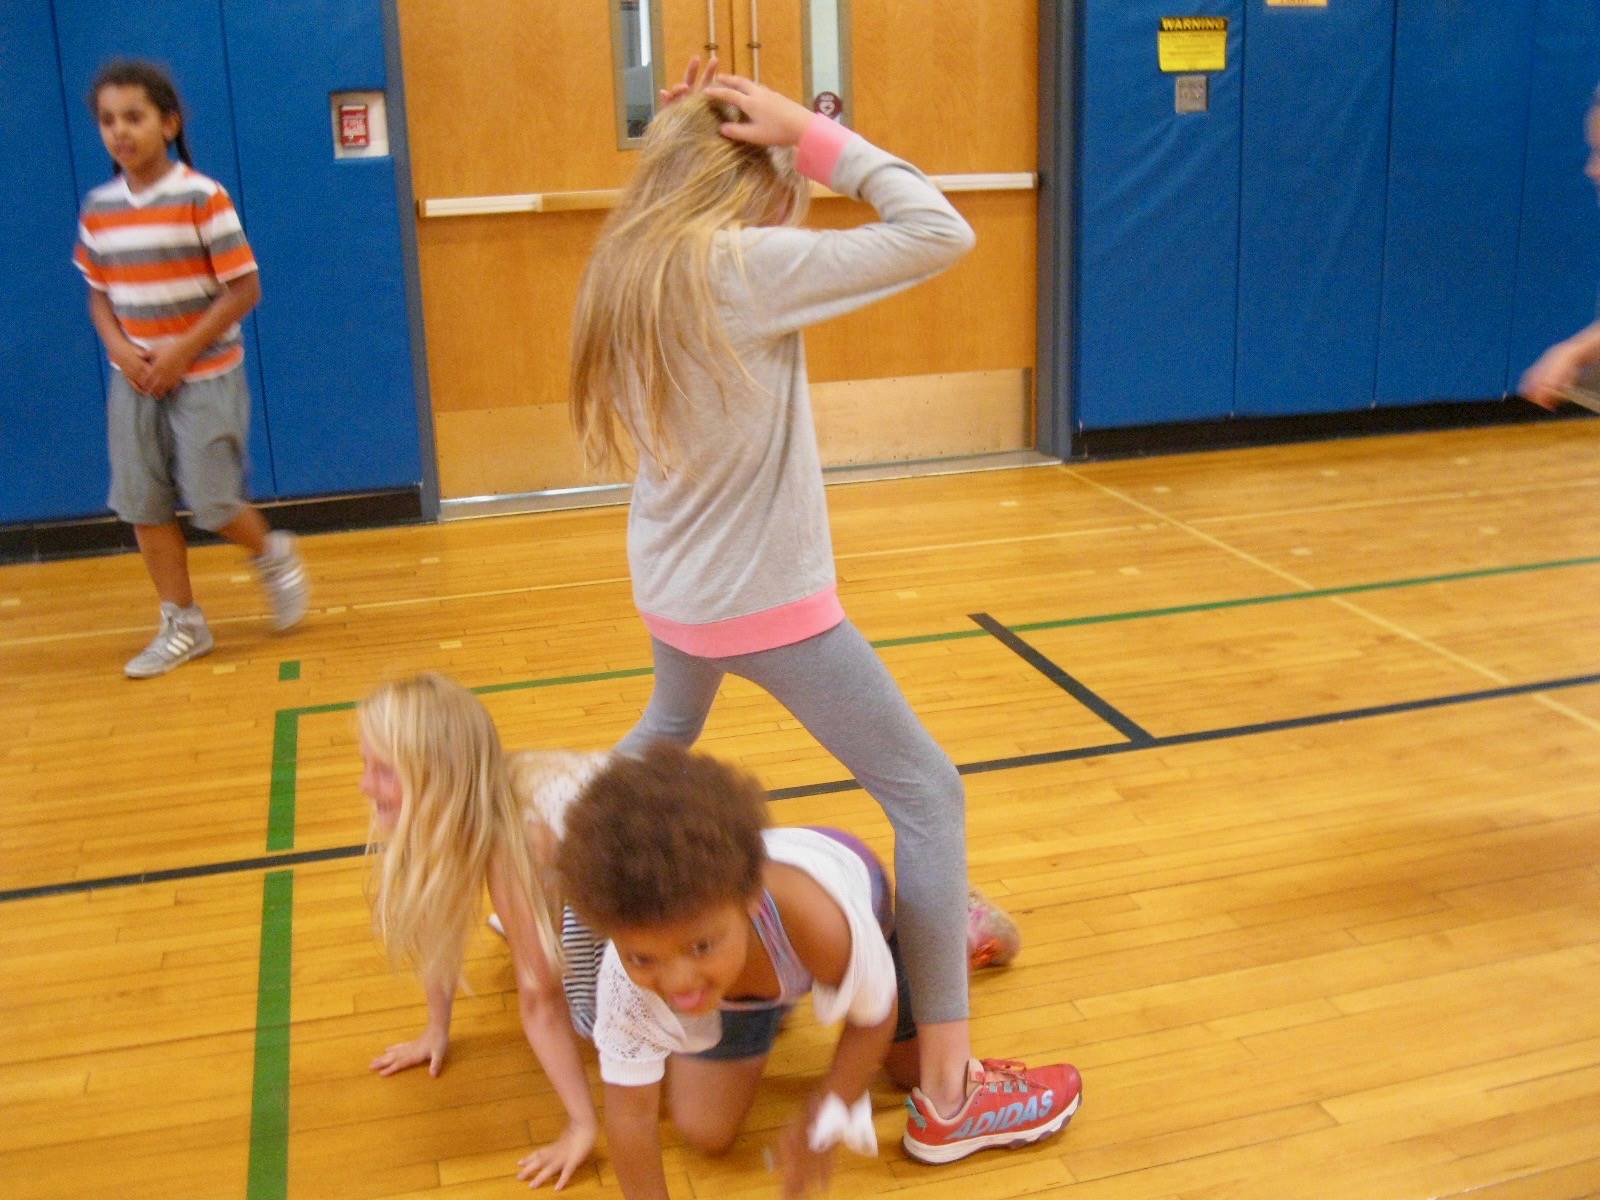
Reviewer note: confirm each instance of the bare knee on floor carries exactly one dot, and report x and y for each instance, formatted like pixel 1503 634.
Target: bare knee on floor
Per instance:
pixel 709 1133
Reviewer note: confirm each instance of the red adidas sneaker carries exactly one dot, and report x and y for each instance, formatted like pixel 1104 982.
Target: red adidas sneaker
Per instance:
pixel 1008 1104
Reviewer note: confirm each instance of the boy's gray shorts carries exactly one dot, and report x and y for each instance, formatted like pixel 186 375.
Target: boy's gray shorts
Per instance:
pixel 191 444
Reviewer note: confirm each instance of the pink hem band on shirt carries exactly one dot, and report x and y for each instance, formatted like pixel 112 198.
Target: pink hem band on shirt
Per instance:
pixel 764 630
pixel 817 152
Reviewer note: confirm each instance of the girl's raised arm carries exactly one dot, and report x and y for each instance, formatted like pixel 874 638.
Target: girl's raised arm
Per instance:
pixel 798 277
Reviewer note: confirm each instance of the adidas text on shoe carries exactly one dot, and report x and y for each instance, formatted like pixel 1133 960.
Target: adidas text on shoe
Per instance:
pixel 182 636
pixel 1007 1105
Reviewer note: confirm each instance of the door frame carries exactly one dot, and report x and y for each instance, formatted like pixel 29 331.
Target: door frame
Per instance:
pixel 1060 41
pixel 411 267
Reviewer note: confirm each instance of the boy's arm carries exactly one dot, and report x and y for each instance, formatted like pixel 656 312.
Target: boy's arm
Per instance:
pixel 633 1135
pixel 131 360
pixel 237 298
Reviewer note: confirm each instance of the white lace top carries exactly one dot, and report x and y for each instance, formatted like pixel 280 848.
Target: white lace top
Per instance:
pixel 635 1030
pixel 548 781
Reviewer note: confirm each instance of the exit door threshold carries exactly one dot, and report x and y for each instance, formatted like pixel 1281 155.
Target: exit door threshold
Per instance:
pixel 472 508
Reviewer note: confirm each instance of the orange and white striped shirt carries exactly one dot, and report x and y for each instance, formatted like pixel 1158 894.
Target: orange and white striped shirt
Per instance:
pixel 161 257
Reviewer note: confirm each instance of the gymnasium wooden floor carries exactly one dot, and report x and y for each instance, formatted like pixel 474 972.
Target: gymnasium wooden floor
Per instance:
pixel 1286 762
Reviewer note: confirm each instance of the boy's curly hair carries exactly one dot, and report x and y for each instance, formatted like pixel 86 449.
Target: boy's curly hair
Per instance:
pixel 660 838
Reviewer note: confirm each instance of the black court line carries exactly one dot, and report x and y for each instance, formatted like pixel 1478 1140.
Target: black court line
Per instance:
pixel 264 862
pixel 1081 692
pixel 1107 749
pixel 270 861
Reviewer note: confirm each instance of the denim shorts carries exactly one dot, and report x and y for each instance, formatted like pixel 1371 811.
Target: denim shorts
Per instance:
pixel 750 1033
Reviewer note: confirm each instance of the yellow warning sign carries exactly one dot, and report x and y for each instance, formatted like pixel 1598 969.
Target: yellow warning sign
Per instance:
pixel 1193 44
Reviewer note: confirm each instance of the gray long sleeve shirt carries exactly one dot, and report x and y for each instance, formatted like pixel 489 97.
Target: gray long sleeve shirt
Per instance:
pixel 730 551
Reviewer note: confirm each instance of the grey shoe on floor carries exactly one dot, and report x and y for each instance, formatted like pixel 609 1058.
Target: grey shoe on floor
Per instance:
pixel 283 575
pixel 183 635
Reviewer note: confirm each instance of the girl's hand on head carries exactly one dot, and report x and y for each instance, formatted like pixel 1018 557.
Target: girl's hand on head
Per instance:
pixel 429 1048
pixel 560 1158
pixel 694 80
pixel 774 119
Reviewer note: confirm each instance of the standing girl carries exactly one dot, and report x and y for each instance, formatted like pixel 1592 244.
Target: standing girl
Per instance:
pixel 454 818
pixel 687 350
pixel 170 277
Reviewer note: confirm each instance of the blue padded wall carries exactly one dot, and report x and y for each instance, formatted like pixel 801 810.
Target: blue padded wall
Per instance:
pixel 334 339
pixel 1314 160
pixel 1558 256
pixel 1158 226
pixel 1458 143
pixel 52 409
pixel 186 37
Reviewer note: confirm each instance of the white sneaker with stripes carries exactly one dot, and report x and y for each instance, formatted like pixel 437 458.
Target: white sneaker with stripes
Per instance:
pixel 183 635
pixel 283 575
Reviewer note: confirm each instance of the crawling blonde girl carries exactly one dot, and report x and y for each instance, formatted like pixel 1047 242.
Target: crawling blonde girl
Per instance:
pixel 453 817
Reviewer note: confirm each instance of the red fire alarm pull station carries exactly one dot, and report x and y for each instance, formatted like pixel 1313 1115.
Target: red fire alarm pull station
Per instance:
pixel 354 131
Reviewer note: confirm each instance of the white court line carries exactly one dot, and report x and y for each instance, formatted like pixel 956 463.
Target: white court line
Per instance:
pixel 1392 501
pixel 334 609
pixel 118 631
pixel 516 591
pixel 1005 541
pixel 1383 622
pixel 408 601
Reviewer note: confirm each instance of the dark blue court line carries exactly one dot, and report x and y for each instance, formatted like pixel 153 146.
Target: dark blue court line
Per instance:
pixel 1081 692
pixel 271 861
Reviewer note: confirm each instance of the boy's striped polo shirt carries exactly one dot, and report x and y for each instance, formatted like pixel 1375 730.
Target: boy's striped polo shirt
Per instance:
pixel 161 257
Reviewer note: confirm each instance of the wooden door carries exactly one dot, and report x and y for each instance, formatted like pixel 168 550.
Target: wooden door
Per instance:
pixel 512 97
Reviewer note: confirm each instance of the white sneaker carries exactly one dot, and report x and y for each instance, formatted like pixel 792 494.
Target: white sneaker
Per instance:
pixel 183 635
pixel 283 575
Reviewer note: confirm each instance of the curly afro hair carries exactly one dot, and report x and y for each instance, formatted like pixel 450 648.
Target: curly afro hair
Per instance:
pixel 660 838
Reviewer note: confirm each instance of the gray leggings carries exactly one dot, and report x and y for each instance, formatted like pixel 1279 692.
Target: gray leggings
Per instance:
pixel 843 694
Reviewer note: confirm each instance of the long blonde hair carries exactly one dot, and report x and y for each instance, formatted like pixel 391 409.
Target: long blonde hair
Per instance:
pixel 646 300
pixel 458 814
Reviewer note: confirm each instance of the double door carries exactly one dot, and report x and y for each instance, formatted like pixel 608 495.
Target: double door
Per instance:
pixel 515 129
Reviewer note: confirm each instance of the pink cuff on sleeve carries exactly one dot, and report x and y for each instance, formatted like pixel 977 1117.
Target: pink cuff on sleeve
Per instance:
pixel 817 152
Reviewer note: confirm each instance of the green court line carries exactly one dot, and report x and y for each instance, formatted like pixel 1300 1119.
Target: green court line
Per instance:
pixel 268 1174
pixel 1351 589
pixel 289 671
pixel 280 804
pixel 280 819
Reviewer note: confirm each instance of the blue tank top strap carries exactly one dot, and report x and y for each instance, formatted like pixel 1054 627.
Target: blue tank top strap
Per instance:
pixel 794 981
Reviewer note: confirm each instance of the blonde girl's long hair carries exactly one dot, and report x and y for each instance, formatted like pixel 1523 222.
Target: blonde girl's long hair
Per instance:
pixel 646 300
pixel 457 815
